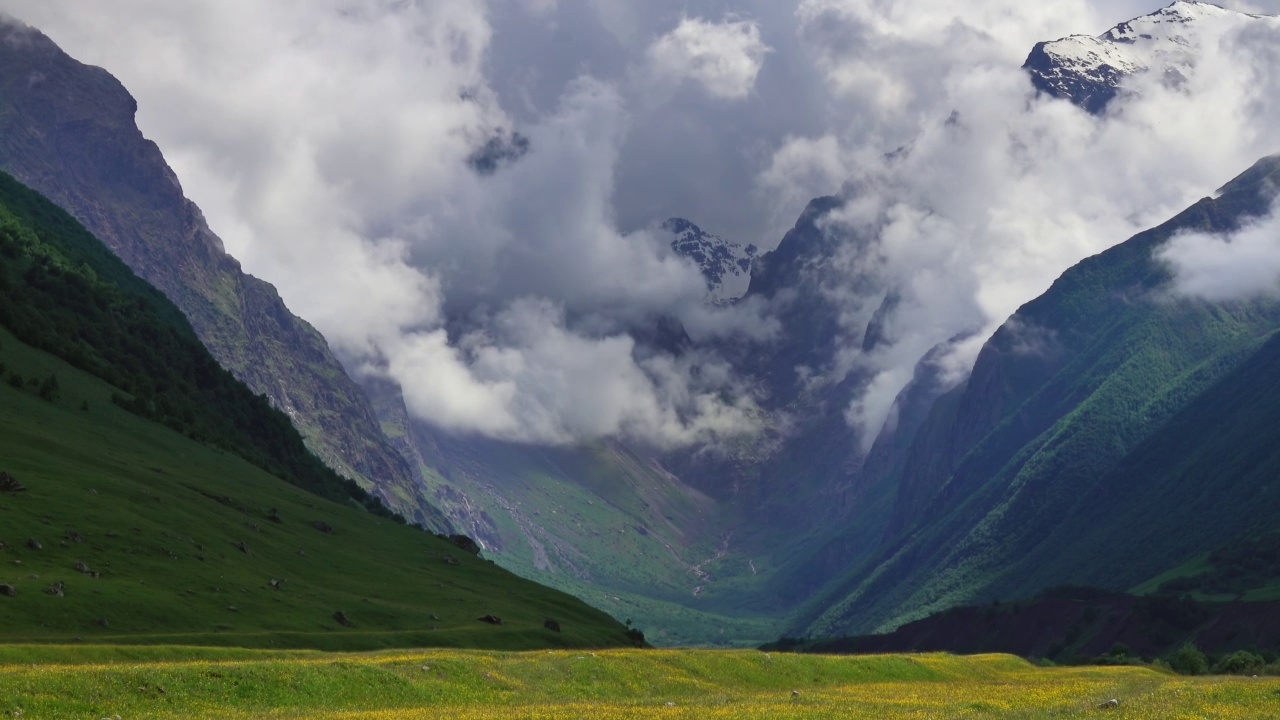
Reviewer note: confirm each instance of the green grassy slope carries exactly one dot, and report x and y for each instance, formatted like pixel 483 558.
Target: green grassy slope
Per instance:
pixel 1074 384
pixel 158 515
pixel 61 290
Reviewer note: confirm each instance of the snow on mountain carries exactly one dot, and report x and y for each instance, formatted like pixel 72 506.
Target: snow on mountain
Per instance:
pixel 1090 70
pixel 725 265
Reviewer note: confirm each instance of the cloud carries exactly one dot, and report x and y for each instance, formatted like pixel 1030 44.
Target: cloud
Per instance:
pixel 1243 265
pixel 353 153
pixel 994 192
pixel 724 57
pixel 363 156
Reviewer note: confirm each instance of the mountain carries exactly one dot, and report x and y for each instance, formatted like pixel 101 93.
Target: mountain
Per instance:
pixel 1091 71
pixel 1107 433
pixel 68 131
pixel 149 497
pixel 725 265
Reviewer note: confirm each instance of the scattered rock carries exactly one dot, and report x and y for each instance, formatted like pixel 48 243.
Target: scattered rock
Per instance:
pixel 274 516
pixel 795 694
pixel 9 484
pixel 1111 704
pixel 323 527
pixel 34 544
pixel 233 608
pixel 255 527
pixel 243 547
pixel 491 619
pixel 435 617
pixel 464 543
pixel 103 622
pixel 451 560
pixel 75 537
pixel 342 619
pixel 8 591
pixel 551 625
pixel 56 589
pixel 4 546
pixel 275 584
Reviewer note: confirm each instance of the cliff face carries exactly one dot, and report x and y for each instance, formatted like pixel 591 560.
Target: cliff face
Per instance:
pixel 68 131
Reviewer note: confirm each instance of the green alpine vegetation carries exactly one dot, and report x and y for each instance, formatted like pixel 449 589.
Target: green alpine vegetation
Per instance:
pixel 144 496
pixel 1111 431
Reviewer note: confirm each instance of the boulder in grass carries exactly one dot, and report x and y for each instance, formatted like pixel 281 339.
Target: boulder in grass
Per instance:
pixel 323 527
pixel 1111 704
pixel 466 544
pixel 243 547
pixel 56 589
pixel 8 591
pixel 34 544
pixel 342 619
pixel 551 625
pixel 491 619
pixel 10 484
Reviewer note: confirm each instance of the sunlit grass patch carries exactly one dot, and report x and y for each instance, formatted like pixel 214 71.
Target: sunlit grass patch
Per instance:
pixel 558 685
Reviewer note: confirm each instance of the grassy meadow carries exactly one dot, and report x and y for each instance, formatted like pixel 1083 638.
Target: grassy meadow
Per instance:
pixel 167 682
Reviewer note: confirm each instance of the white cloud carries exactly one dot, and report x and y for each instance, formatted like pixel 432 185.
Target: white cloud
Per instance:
pixel 996 192
pixel 1239 266
pixel 327 142
pixel 724 57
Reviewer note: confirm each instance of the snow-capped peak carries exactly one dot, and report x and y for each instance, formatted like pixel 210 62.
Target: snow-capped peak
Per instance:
pixel 1089 70
pixel 725 265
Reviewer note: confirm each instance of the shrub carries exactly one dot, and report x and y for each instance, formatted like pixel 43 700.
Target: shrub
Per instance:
pixel 1242 662
pixel 1189 660
pixel 49 388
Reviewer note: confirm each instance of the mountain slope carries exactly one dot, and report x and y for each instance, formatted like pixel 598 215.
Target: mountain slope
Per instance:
pixel 725 265
pixel 114 526
pixel 68 131
pixel 1091 71
pixel 1014 468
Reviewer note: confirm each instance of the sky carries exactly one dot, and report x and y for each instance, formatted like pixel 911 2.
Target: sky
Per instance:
pixel 332 145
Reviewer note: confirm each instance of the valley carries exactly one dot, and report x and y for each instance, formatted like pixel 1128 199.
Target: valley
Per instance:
pixel 988 427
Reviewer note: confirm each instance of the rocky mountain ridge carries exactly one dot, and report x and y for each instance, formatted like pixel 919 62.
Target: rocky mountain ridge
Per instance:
pixel 1091 71
pixel 725 265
